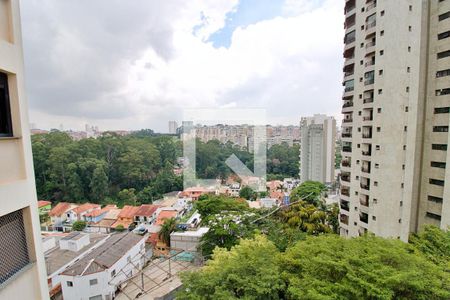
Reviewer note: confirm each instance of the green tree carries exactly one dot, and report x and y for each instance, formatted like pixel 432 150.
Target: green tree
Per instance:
pixel 333 217
pixel 212 205
pixel 99 184
pixel 248 193
pixel 248 271
pixel 78 225
pixel 74 184
pixel 167 228
pixel 305 217
pixel 310 192
pixel 120 228
pixel 128 197
pixel 331 267
pixel 434 243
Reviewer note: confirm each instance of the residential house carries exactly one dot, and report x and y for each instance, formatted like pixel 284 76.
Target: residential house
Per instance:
pixel 188 241
pixel 106 269
pixel 104 225
pixel 97 215
pixel 164 214
pixel 126 217
pixel 44 207
pixel 78 213
pixel 146 214
pixel 59 214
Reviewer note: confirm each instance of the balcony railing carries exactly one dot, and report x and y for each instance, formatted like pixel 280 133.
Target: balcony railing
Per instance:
pixel 371 25
pixel 367 135
pixel 363 217
pixel 365 186
pixel 369 81
pixel 347 74
pixel 349 40
pixel 364 201
pixel 368 118
pixel 345 205
pixel 371 6
pixel 349 89
pixel 346 135
pixel 346 149
pixel 347 104
pixel 345 178
pixel 349 120
pixel 345 192
pixel 370 63
pixel 343 219
pixel 368 100
pixel 365 169
pixel 370 44
pixel 366 153
pixel 346 163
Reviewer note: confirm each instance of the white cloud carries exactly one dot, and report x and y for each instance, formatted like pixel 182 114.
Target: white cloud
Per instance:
pixel 290 65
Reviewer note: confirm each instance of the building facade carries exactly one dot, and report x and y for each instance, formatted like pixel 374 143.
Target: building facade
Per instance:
pixel 317 148
pixel 22 268
pixel 396 106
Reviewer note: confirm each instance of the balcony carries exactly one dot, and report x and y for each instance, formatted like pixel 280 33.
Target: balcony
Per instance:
pixel 368 100
pixel 346 135
pixel 371 44
pixel 370 63
pixel 349 89
pixel 364 200
pixel 347 104
pixel 369 81
pixel 345 205
pixel 367 132
pixel 363 217
pixel 347 149
pixel 345 177
pixel 371 6
pixel 346 163
pixel 371 25
pixel 349 7
pixel 368 118
pixel 366 152
pixel 345 191
pixel 343 218
pixel 365 168
pixel 349 120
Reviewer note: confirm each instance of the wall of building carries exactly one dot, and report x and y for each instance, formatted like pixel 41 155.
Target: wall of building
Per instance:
pixel 17 187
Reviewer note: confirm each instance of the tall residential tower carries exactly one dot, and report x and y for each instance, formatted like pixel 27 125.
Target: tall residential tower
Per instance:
pixel 396 106
pixel 317 148
pixel 22 269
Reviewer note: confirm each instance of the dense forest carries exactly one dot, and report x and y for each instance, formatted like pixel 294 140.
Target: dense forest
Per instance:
pixel 133 169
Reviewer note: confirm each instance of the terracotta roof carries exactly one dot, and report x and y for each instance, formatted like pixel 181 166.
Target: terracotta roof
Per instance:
pixel 42 203
pixel 128 212
pixel 85 207
pixel 60 208
pixel 113 214
pixel 98 212
pixel 146 210
pixel 124 223
pixel 165 214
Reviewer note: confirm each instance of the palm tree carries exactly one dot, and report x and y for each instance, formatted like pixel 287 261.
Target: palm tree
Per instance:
pixel 166 229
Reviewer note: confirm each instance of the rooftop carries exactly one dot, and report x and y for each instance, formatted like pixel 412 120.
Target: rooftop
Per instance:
pixel 128 212
pixel 104 256
pixel 165 214
pixel 42 203
pixel 61 208
pixel 85 207
pixel 56 258
pixel 195 233
pixel 146 210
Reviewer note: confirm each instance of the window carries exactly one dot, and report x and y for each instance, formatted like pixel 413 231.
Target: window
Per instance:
pixel 382 13
pixel 13 255
pixel 442 110
pixel 433 216
pixel 444 16
pixel 443 35
pixel 374 218
pixel 69 283
pixel 408 69
pixel 438 164
pixel 93 282
pixel 443 54
pixel 350 37
pixel 437 182
pixel 440 128
pixel 381 32
pixel 381 52
pixel 113 273
pixel 435 199
pixel 5 109
pixel 406 108
pixel 442 147
pixel 443 73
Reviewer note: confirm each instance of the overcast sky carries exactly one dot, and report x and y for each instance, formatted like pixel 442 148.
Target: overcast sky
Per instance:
pixel 137 64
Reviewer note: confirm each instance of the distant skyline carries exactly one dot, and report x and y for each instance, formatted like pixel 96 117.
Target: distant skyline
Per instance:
pixel 139 64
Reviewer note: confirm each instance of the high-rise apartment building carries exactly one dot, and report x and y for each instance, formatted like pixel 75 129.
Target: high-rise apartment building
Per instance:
pixel 396 106
pixel 22 268
pixel 173 126
pixel 317 148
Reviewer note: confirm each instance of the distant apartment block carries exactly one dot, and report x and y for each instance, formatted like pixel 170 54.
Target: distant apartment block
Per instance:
pixel 173 126
pixel 317 149
pixel 396 106
pixel 22 267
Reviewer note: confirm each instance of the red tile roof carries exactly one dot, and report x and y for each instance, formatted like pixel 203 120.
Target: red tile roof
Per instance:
pixel 42 203
pixel 59 209
pixel 128 212
pixel 85 207
pixel 146 210
pixel 125 224
pixel 98 212
pixel 165 214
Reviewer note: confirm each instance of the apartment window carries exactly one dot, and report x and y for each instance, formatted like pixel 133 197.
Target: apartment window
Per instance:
pixel 404 147
pixel 440 128
pixel 13 245
pixel 382 13
pixel 381 32
pixel 378 129
pixel 405 128
pixel 443 73
pixel 444 16
pixel 380 72
pixel 408 69
pixel 379 110
pixel 443 54
pixel 433 216
pixel 443 35
pixel 350 37
pixel 380 91
pixel 377 147
pixel 375 183
pixel 113 273
pixel 5 109
pixel 442 147
pixel 409 48
pixel 438 164
pixel 407 89
pixel 377 166
pixel 410 28
pixel 406 108
pixel 410 8
pixel 381 52
pixel 69 283
pixel 442 110
pixel 435 199
pixel 374 218
pixel 401 203
pixel 93 282
pixel 436 182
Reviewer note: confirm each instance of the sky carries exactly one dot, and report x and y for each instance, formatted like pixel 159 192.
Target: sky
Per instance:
pixel 138 64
